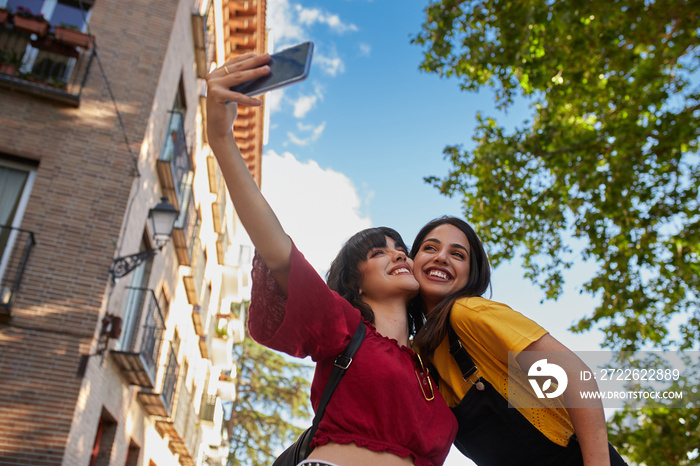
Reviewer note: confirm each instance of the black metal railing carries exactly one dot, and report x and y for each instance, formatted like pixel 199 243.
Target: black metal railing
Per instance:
pixel 170 380
pixel 175 152
pixel 222 244
pixel 15 246
pixel 186 228
pixel 43 64
pixel 199 264
pixel 142 336
pixel 192 433
pixel 207 408
pixel 184 399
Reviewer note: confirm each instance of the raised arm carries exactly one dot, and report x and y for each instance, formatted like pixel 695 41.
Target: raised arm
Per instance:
pixel 261 223
pixel 589 422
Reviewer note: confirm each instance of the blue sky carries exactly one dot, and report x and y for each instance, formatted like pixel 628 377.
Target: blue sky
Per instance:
pixel 348 148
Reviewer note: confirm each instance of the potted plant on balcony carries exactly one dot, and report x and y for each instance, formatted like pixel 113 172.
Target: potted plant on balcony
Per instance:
pixel 10 63
pixel 221 332
pixel 4 14
pixel 71 35
pixel 26 21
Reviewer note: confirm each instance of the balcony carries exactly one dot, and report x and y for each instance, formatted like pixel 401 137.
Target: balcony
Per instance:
pixel 186 229
pixel 200 312
pixel 226 388
pixel 194 278
pixel 181 428
pixel 218 212
pixel 207 408
pixel 45 64
pixel 222 244
pixel 138 347
pixel 229 330
pixel 203 32
pixel 161 403
pixel 15 246
pixel 174 165
pixel 213 174
pixel 203 349
pixel 197 320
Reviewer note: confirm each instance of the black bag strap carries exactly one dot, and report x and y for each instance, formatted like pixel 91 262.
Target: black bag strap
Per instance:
pixel 463 359
pixel 342 362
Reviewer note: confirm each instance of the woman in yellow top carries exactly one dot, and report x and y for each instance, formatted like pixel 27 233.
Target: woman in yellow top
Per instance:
pixel 472 342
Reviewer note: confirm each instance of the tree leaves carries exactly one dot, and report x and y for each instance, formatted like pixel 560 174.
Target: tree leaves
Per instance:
pixel 272 393
pixel 610 156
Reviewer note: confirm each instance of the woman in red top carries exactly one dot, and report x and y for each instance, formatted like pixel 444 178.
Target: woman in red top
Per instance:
pixel 385 410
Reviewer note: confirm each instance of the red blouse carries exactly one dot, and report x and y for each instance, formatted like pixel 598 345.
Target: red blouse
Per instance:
pixel 379 404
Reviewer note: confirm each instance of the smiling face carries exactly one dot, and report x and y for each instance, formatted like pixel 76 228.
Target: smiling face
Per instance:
pixel 387 272
pixel 442 264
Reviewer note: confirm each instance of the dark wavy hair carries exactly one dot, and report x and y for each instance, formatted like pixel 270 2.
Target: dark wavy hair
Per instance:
pixel 344 275
pixel 434 330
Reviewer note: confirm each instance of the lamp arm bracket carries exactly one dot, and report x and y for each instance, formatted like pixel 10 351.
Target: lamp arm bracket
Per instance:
pixel 123 265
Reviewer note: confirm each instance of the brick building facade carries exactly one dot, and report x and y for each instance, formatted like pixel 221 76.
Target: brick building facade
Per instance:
pixel 132 371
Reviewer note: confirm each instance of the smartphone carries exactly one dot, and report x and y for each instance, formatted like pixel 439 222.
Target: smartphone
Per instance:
pixel 287 67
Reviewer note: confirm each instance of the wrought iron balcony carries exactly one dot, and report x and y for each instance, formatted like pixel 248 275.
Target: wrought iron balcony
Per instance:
pixel 200 311
pixel 218 209
pixel 49 65
pixel 174 165
pixel 186 228
pixel 142 337
pixel 194 279
pixel 15 246
pixel 222 243
pixel 181 428
pixel 160 403
pixel 203 33
pixel 207 408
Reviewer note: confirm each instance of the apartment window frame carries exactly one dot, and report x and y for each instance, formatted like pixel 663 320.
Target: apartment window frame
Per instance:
pixel 21 200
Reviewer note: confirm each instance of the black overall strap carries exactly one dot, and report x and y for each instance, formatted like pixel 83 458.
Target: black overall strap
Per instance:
pixel 342 362
pixel 464 361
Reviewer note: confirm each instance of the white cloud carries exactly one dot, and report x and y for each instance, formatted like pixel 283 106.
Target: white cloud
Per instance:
pixel 303 104
pixel 330 65
pixel 365 49
pixel 311 16
pixel 289 22
pixel 310 134
pixel 282 22
pixel 319 208
pixel 273 100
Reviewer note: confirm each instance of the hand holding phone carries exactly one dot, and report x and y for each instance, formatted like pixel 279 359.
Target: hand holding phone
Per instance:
pixel 287 67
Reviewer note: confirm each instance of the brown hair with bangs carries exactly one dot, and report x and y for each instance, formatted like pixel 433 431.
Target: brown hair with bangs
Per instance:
pixel 344 275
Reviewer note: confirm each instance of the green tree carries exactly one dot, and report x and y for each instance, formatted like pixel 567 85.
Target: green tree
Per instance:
pixel 272 392
pixel 609 156
pixel 657 435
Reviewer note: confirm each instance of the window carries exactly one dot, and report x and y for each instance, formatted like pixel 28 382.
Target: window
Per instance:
pixel 16 180
pixel 41 59
pixel 57 12
pixel 175 148
pixel 132 455
pixel 136 301
pixel 104 439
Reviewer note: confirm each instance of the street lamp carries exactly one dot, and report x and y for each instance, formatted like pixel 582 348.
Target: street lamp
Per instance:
pixel 161 220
